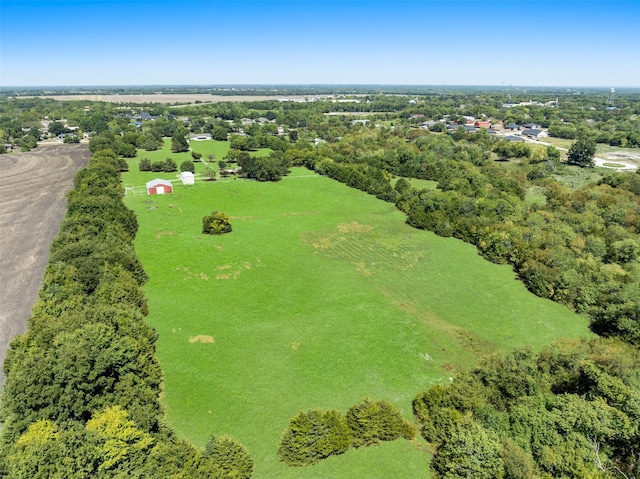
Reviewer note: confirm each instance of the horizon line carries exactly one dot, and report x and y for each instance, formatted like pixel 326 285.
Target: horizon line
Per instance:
pixel 271 85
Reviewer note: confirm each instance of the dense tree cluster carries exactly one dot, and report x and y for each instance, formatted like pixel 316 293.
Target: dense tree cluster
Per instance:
pixel 269 168
pixel 316 434
pixel 569 411
pixel 82 388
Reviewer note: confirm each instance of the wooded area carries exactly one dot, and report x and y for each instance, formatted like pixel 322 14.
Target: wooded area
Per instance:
pixel 82 392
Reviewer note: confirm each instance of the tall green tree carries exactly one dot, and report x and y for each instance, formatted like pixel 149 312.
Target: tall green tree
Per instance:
pixel 582 152
pixel 179 141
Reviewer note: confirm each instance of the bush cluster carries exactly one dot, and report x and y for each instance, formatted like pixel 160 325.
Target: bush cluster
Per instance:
pixel 166 166
pixel 316 434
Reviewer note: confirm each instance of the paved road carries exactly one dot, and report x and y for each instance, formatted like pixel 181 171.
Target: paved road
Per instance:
pixel 33 186
pixel 601 162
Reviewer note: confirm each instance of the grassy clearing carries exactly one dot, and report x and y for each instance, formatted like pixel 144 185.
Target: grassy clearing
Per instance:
pixel 562 143
pixel 575 177
pixel 319 297
pixel 207 147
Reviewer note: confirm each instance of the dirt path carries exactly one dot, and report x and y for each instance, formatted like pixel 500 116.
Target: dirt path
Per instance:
pixel 33 186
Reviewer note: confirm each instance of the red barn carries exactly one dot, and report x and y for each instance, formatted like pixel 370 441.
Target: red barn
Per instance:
pixel 159 187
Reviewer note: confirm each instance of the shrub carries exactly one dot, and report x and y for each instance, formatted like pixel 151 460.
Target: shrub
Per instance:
pixel 313 435
pixel 169 166
pixel 229 458
pixel 216 224
pixel 187 166
pixel 373 421
pixel 145 164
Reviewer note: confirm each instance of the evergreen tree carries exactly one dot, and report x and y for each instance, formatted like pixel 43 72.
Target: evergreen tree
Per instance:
pixel 179 141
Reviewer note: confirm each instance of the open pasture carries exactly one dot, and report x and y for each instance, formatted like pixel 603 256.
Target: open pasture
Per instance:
pixel 320 296
pixel 218 149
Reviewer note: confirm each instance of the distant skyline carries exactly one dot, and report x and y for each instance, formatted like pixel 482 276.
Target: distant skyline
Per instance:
pixel 429 42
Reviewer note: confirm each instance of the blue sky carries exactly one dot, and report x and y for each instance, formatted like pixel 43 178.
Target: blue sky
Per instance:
pixel 429 42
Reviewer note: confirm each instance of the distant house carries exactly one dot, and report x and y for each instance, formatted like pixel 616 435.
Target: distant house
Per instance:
pixel 62 136
pixel 146 116
pixel 534 133
pixel 159 187
pixel 512 126
pixel 530 126
pixel 200 136
pixel 229 171
pixel 187 178
pixel 482 124
pixel 514 138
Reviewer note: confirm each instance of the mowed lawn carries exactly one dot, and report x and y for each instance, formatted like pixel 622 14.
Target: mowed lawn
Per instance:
pixel 320 296
pixel 135 178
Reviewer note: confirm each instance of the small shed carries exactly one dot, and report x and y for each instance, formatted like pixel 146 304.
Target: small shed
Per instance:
pixel 187 178
pixel 159 187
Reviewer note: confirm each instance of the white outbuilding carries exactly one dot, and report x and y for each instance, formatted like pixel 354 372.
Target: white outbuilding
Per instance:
pixel 187 178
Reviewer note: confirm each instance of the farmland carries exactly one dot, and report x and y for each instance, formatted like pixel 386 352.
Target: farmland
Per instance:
pixel 319 297
pixel 173 98
pixel 32 192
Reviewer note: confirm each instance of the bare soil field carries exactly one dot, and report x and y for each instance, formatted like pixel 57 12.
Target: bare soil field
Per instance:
pixel 178 98
pixel 33 186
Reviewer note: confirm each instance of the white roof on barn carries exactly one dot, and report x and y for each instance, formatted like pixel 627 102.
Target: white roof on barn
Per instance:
pixel 158 181
pixel 186 174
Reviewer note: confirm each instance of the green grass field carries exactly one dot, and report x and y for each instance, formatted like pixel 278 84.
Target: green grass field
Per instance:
pixel 207 147
pixel 319 297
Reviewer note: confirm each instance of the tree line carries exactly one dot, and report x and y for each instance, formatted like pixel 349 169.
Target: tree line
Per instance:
pixel 81 398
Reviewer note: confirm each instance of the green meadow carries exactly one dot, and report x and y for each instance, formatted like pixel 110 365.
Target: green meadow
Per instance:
pixel 207 147
pixel 320 296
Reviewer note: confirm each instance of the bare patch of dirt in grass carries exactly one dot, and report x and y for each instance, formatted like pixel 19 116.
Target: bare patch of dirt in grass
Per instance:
pixel 202 339
pixel 325 242
pixel 361 268
pixel 369 249
pixel 218 247
pixel 354 227
pixel 465 338
pixel 165 233
pixel 304 213
pixel 245 218
pixel 295 345
pixel 471 342
pixel 234 272
pixel 189 274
